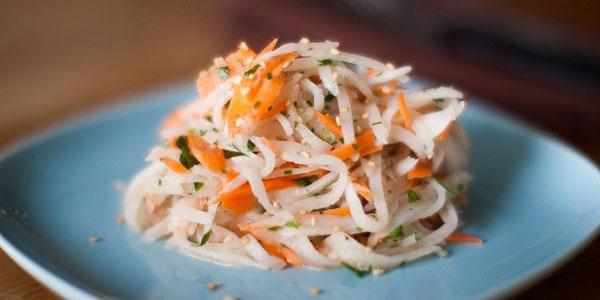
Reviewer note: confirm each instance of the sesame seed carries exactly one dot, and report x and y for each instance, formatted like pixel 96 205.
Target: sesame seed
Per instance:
pixel 213 286
pixel 300 119
pixel 288 102
pixel 303 212
pixel 262 64
pixel 244 46
pixel 378 271
pixel 229 297
pixel 120 220
pixel 314 291
pixel 386 90
pixel 344 109
pixel 248 60
pixel 313 221
pixel 227 239
pixel 287 64
pixel 334 51
pixel 305 154
pixel 251 76
pixel 334 76
pixel 245 90
pixel 370 163
pixel 304 40
pixel 390 66
pixel 332 255
pixel 230 93
pixel 245 240
pixel 368 249
pixel 304 142
pixel 276 204
pixel 336 228
pixel 358 128
pixel 237 80
pixel 95 239
pixel 365 116
pixel 337 120
pixel 239 122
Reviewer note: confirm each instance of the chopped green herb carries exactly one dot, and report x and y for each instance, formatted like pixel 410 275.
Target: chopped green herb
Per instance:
pixel 269 76
pixel 341 140
pixel 187 159
pixel 459 189
pixel 227 103
pixel 224 72
pixel 329 136
pixel 396 232
pixel 310 48
pixel 269 108
pixel 209 118
pixel 438 100
pixel 182 144
pixel 198 185
pixel 287 172
pixel 230 154
pixel 295 124
pixel 205 237
pixel 357 272
pixel 293 223
pixel 355 147
pixel 325 107
pixel 215 129
pixel 310 103
pixel 329 97
pixel 319 210
pixel 296 104
pixel 376 123
pixel 202 132
pixel 412 196
pixel 324 62
pixel 160 181
pixel 256 104
pixel 303 181
pixel 251 146
pixel 275 228
pixel 359 229
pixel 251 71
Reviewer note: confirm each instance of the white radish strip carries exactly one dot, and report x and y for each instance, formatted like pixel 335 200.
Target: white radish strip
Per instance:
pixel 358 214
pixel 157 230
pixel 260 255
pixel 450 219
pixel 402 167
pixel 317 185
pixel 300 64
pixel 182 211
pixel 134 196
pixel 310 256
pixel 376 122
pixel 211 253
pixel 268 154
pixel 401 134
pixel 285 124
pixel 328 81
pixel 359 60
pixel 352 252
pixel 218 99
pixel 161 152
pixel 417 99
pixel 304 132
pixel 376 186
pixel 317 93
pixel 390 75
pixel 212 212
pixel 356 80
pixel 302 49
pixel 346 121
pixel 291 171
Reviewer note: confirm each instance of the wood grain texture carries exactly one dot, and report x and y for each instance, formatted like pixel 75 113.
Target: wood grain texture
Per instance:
pixel 61 59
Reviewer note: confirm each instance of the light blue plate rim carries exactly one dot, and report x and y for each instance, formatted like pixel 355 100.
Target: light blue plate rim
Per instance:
pixel 69 290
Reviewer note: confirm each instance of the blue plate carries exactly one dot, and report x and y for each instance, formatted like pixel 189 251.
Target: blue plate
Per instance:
pixel 535 201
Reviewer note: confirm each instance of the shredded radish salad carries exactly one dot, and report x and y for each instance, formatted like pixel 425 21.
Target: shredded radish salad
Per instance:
pixel 305 155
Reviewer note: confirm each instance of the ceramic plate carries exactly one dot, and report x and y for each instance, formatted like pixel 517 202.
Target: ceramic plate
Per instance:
pixel 535 201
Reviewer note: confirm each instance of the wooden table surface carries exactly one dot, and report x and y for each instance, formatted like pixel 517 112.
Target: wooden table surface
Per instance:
pixel 61 60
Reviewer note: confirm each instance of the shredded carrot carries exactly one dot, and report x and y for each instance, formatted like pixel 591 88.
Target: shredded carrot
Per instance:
pixel 409 184
pixel 366 143
pixel 241 199
pixel 463 238
pixel 231 175
pixel 283 252
pixel 269 47
pixel 329 123
pixel 363 190
pixel 174 165
pixel 339 212
pixel 421 170
pixel 252 226
pixel 444 134
pixel 344 151
pixel 210 157
pixel 273 111
pixel 404 111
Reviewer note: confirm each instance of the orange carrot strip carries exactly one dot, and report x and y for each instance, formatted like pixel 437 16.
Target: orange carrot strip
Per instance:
pixel 283 252
pixel 210 157
pixel 421 170
pixel 363 190
pixel 275 109
pixel 241 199
pixel 366 143
pixel 463 238
pixel 344 151
pixel 444 134
pixel 329 123
pixel 268 48
pixel 174 165
pixel 404 111
pixel 339 212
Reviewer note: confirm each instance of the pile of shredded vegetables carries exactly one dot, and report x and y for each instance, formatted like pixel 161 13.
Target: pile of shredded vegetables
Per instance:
pixel 304 155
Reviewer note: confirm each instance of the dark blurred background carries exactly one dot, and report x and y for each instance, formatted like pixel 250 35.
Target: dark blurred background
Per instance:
pixel 539 60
